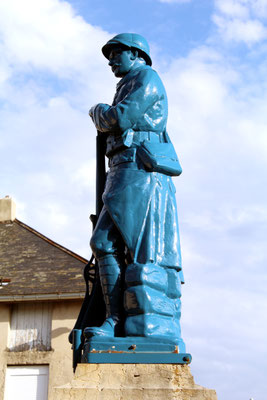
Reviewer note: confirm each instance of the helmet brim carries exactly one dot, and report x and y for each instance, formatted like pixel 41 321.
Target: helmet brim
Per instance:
pixel 106 49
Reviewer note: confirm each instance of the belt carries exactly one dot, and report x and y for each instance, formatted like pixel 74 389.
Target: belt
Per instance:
pixel 150 136
pixel 116 144
pixel 125 156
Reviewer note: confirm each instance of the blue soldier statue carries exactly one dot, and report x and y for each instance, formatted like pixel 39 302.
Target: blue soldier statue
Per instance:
pixel 136 238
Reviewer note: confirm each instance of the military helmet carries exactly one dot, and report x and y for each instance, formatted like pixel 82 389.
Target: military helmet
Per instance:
pixel 130 40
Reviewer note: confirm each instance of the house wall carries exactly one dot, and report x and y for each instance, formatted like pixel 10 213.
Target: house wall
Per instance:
pixel 59 359
pixel 4 331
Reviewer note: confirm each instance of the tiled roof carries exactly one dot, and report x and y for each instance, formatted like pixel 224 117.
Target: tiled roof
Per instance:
pixel 36 265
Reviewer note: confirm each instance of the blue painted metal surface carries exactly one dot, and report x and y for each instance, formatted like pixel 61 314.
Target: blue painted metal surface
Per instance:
pixel 136 239
pixel 132 350
pixel 137 358
pixel 130 40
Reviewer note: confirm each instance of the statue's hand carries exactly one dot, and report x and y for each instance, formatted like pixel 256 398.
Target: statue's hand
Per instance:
pixel 91 111
pixel 97 110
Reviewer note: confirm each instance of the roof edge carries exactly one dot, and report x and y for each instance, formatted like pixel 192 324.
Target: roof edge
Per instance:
pixel 41 297
pixel 50 241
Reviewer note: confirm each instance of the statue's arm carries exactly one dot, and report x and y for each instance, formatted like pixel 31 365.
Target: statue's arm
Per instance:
pixel 124 115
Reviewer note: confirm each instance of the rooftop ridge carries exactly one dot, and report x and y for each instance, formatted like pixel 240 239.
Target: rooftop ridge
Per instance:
pixel 50 241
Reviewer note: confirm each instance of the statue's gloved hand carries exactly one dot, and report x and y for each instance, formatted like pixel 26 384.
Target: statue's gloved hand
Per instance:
pixel 91 111
pixel 96 113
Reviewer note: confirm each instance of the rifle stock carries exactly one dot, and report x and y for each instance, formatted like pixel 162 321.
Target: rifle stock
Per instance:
pixel 93 309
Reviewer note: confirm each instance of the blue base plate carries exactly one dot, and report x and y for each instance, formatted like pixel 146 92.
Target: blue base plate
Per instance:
pixel 134 350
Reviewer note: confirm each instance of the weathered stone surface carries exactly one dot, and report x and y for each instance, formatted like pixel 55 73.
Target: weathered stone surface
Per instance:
pixel 133 381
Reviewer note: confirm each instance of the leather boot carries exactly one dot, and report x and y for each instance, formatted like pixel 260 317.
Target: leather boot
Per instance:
pixel 110 278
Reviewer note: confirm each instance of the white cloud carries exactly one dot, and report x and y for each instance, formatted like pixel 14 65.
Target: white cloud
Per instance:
pixel 48 132
pixel 20 208
pixel 227 105
pixel 4 72
pixel 233 8
pixel 241 20
pixel 260 8
pixel 47 34
pixel 242 8
pixel 218 124
pixel 85 175
pixel 249 31
pixel 225 218
pixel 244 215
pixel 55 215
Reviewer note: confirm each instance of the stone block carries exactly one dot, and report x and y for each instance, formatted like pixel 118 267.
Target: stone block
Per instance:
pixel 174 284
pixel 147 274
pixel 152 325
pixel 143 299
pixel 133 381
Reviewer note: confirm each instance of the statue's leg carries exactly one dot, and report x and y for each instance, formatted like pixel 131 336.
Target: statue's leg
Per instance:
pixel 107 246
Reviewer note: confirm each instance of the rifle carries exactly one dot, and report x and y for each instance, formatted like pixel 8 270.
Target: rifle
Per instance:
pixel 93 309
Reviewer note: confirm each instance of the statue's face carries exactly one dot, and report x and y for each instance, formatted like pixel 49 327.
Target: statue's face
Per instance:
pixel 121 61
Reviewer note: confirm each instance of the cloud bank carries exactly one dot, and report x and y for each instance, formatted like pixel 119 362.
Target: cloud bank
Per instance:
pixel 241 20
pixel 52 71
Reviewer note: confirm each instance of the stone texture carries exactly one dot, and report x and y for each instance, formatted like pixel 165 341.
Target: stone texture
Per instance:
pixel 133 381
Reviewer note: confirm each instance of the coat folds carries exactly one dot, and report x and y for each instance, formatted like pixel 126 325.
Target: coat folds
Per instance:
pixel 143 207
pixel 142 204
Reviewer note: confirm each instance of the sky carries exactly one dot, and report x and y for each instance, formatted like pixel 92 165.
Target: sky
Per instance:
pixel 211 56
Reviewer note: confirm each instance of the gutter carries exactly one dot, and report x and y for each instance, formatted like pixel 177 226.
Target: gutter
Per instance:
pixel 39 297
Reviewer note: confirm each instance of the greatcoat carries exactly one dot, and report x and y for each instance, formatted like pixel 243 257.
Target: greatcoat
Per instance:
pixel 141 203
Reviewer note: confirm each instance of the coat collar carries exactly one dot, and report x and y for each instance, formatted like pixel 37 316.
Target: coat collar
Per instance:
pixel 130 75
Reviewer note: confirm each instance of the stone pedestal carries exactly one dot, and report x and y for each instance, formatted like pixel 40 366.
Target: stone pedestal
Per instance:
pixel 133 382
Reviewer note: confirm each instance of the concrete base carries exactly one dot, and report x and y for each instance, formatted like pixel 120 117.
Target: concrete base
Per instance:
pixel 133 381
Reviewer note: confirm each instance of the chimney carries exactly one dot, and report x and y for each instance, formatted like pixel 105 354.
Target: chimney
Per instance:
pixel 7 209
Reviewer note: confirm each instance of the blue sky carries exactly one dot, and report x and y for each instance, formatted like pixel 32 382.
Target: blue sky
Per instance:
pixel 211 56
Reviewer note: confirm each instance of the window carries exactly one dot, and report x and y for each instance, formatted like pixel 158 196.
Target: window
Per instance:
pixel 30 326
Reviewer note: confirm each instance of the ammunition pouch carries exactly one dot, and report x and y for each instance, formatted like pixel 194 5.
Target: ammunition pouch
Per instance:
pixel 160 157
pixel 154 150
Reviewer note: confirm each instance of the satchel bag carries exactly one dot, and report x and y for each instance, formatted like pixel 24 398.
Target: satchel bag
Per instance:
pixel 160 157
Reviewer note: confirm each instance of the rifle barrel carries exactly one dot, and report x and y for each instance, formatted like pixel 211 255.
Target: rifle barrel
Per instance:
pixel 100 170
